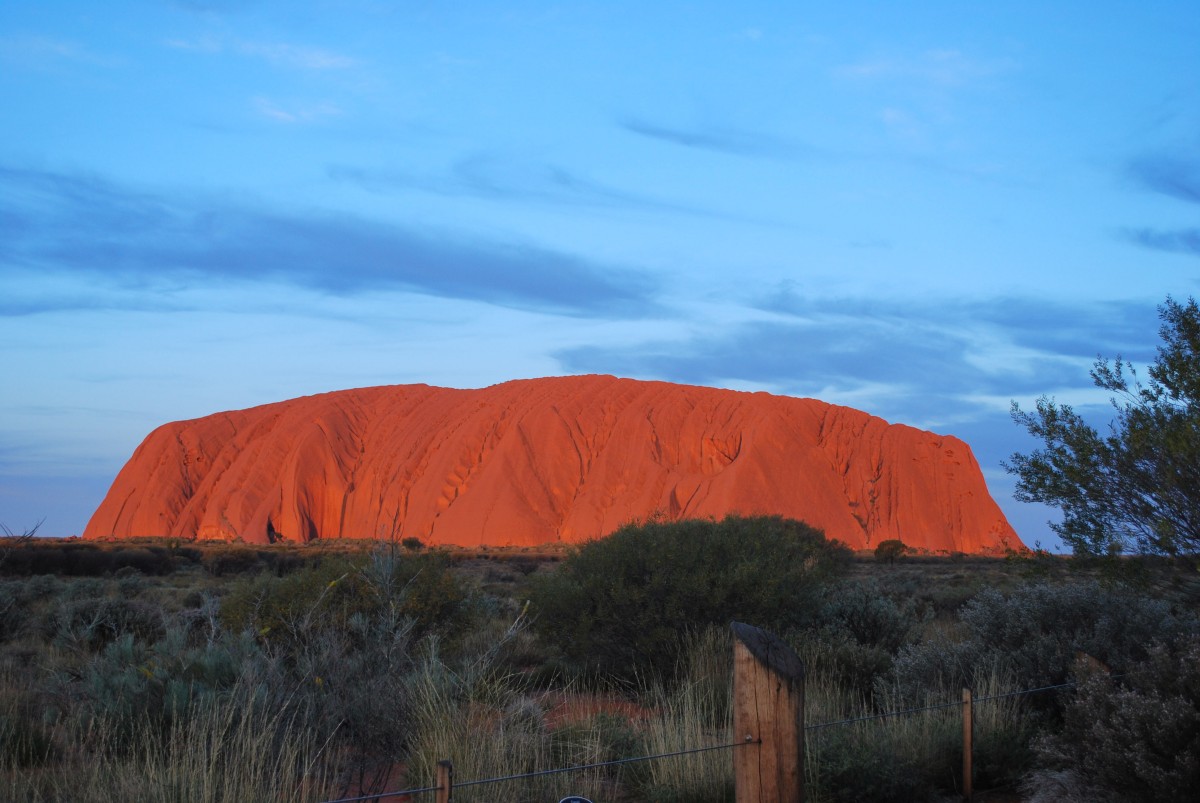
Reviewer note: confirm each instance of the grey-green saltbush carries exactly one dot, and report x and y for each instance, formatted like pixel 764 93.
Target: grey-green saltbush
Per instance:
pixel 1137 737
pixel 1036 632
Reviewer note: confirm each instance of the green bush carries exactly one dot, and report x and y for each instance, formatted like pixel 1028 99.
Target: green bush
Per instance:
pixel 1138 738
pixel 619 605
pixel 859 629
pixel 868 614
pixel 1035 632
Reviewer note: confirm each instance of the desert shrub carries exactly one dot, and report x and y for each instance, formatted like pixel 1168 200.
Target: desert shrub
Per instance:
pixel 89 623
pixel 618 605
pixel 890 551
pixel 236 560
pixel 857 631
pixel 18 597
pixel 1138 737
pixel 294 608
pixel 858 667
pixel 133 683
pixel 865 612
pixel 1035 631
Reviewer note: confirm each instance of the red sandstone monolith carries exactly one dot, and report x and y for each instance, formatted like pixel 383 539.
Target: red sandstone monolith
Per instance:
pixel 547 460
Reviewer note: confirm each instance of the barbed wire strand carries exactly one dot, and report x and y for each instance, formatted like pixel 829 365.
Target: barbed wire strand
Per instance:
pixel 379 795
pixel 539 773
pixel 612 763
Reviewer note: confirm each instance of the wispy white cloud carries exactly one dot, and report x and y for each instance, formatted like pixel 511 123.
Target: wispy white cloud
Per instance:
pixel 294 113
pixel 203 44
pixel 948 69
pixel 278 54
pixel 282 54
pixel 41 52
pixel 901 123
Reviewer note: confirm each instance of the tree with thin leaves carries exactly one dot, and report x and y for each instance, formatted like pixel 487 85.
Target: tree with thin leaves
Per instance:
pixel 1137 488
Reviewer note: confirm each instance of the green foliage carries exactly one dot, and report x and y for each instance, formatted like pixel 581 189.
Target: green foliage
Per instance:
pixel 890 551
pixel 859 630
pixel 1036 631
pixel 855 769
pixel 870 616
pixel 1139 737
pixel 1139 486
pixel 619 605
pixel 292 609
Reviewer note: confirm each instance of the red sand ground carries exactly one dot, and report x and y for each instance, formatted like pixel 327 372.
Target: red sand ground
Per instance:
pixel 543 460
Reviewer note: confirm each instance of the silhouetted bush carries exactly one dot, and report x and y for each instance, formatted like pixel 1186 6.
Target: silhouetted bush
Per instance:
pixel 237 560
pixel 618 605
pixel 77 559
pixel 890 551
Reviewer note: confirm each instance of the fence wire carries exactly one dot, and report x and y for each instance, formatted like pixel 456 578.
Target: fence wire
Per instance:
pixel 748 741
pixel 556 771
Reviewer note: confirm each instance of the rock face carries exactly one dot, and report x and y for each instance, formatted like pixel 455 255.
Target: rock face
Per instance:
pixel 541 460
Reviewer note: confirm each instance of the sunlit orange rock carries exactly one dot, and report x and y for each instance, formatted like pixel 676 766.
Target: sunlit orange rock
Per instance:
pixel 541 460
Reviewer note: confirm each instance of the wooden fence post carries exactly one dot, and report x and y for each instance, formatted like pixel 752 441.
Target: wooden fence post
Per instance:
pixel 968 734
pixel 445 781
pixel 768 714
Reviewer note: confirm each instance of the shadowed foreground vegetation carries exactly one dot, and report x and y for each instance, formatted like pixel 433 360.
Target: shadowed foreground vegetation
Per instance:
pixel 170 671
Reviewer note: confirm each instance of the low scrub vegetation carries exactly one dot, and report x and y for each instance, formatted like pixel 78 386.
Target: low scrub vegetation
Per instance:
pixel 222 673
pixel 619 605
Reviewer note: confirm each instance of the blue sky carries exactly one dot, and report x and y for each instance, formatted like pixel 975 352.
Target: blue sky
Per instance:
pixel 922 210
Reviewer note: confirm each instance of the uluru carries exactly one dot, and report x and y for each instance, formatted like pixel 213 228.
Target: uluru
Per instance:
pixel 562 459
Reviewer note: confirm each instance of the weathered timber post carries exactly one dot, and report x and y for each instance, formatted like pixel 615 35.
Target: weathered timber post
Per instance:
pixel 768 714
pixel 968 735
pixel 445 781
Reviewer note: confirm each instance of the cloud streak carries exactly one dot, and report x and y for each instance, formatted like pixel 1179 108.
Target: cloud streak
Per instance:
pixel 1173 176
pixel 720 140
pixel 493 178
pixel 91 227
pixel 1179 241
